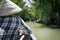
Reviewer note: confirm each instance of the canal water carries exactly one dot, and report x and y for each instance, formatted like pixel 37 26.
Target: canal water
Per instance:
pixel 49 34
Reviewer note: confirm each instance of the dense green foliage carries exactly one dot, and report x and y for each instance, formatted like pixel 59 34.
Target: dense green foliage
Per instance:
pixel 27 13
pixel 46 10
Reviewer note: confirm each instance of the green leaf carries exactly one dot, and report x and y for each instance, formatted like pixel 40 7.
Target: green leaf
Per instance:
pixel 0 1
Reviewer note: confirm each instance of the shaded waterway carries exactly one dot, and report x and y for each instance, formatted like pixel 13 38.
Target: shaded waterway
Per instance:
pixel 49 34
pixel 44 33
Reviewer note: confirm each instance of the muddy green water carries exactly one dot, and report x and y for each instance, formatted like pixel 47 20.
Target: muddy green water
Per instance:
pixel 49 34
